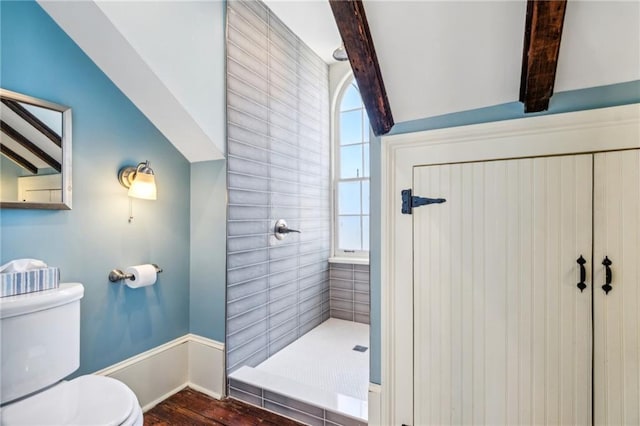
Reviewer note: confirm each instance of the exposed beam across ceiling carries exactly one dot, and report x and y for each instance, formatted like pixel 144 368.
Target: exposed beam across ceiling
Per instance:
pixel 18 159
pixel 33 120
pixel 30 146
pixel 354 30
pixel 542 34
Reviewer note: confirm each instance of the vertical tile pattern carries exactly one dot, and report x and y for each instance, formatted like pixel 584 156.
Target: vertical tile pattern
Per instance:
pixel 278 168
pixel 349 292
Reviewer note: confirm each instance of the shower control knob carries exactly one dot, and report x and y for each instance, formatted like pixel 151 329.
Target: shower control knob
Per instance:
pixel 281 229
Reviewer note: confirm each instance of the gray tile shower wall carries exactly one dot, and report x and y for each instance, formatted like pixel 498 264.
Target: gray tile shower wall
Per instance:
pixel 290 407
pixel 278 168
pixel 349 292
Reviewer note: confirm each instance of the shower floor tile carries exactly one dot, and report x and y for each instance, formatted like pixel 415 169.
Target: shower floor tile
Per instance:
pixel 325 358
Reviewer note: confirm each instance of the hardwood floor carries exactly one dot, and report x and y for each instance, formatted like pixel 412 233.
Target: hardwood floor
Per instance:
pixel 189 407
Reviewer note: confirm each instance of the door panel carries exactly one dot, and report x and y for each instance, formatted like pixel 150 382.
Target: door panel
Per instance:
pixel 502 333
pixel 616 317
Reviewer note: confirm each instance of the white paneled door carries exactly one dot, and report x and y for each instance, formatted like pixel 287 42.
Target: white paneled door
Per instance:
pixel 502 333
pixel 616 313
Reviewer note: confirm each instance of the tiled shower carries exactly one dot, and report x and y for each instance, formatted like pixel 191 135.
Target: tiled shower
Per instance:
pixel 349 292
pixel 279 163
pixel 278 168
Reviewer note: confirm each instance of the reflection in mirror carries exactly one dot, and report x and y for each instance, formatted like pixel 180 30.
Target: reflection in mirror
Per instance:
pixel 35 160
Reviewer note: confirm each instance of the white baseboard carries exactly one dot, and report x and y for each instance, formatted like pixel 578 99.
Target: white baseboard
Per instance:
pixel 206 366
pixel 160 372
pixel 375 405
pixel 149 405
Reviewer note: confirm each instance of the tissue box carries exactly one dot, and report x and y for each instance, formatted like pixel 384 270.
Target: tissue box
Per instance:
pixel 12 283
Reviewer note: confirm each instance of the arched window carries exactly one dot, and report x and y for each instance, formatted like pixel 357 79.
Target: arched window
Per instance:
pixel 351 175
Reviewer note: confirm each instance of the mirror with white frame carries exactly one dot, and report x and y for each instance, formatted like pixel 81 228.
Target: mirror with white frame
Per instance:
pixel 35 141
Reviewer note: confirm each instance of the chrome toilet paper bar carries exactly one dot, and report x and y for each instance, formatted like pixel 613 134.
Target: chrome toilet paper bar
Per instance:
pixel 117 274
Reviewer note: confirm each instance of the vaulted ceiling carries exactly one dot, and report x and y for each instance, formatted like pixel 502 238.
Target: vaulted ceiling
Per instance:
pixel 166 56
pixel 435 57
pixel 439 57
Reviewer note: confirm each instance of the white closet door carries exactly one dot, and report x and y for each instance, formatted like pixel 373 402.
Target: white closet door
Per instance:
pixel 502 333
pixel 616 316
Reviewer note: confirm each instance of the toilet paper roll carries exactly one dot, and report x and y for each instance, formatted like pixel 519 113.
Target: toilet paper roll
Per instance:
pixel 143 275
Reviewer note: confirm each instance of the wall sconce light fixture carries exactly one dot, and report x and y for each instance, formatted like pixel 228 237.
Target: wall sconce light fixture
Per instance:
pixel 140 180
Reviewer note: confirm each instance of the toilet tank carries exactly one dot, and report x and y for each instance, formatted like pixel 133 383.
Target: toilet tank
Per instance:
pixel 39 339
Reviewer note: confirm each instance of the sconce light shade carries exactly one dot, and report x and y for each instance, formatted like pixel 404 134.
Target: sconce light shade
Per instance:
pixel 140 180
pixel 143 186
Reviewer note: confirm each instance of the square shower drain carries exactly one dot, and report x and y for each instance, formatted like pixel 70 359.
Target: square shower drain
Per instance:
pixel 360 348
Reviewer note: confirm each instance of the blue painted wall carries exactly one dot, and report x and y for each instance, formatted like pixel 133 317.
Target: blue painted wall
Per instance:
pixel 577 100
pixel 208 222
pixel 208 249
pixel 39 59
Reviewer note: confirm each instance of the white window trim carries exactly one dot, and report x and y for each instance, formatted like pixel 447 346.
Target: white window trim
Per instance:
pixel 350 260
pixel 359 257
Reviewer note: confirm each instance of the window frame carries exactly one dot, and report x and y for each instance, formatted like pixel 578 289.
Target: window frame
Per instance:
pixel 340 255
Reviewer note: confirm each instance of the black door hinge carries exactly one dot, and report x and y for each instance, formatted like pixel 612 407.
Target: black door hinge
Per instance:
pixel 409 201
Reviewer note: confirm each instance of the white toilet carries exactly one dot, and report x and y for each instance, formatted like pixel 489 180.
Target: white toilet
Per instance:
pixel 40 338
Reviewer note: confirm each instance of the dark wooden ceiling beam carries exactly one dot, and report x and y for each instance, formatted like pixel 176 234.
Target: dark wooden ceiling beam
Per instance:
pixel 33 120
pixel 30 146
pixel 542 34
pixel 354 30
pixel 18 159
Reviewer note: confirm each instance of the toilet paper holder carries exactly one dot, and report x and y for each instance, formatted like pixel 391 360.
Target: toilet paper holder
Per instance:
pixel 117 274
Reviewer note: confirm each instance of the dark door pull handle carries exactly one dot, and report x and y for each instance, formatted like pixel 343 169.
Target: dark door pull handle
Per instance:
pixel 607 275
pixel 583 273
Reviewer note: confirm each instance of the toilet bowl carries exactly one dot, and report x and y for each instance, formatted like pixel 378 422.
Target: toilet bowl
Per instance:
pixel 85 400
pixel 40 346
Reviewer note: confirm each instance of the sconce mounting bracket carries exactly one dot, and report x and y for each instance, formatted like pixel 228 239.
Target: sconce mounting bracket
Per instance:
pixel 126 175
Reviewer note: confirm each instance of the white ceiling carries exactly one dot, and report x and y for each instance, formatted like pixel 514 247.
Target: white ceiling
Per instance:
pixel 600 44
pixel 192 42
pixel 312 21
pixel 436 57
pixel 439 57
pixel 166 57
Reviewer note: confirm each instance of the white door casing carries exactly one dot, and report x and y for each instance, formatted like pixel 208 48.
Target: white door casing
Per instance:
pixel 617 314
pixel 607 129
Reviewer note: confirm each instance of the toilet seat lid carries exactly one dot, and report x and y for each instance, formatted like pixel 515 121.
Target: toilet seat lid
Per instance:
pixel 86 400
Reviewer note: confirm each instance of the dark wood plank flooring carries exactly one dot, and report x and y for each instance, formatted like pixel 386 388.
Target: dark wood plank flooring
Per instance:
pixel 189 407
